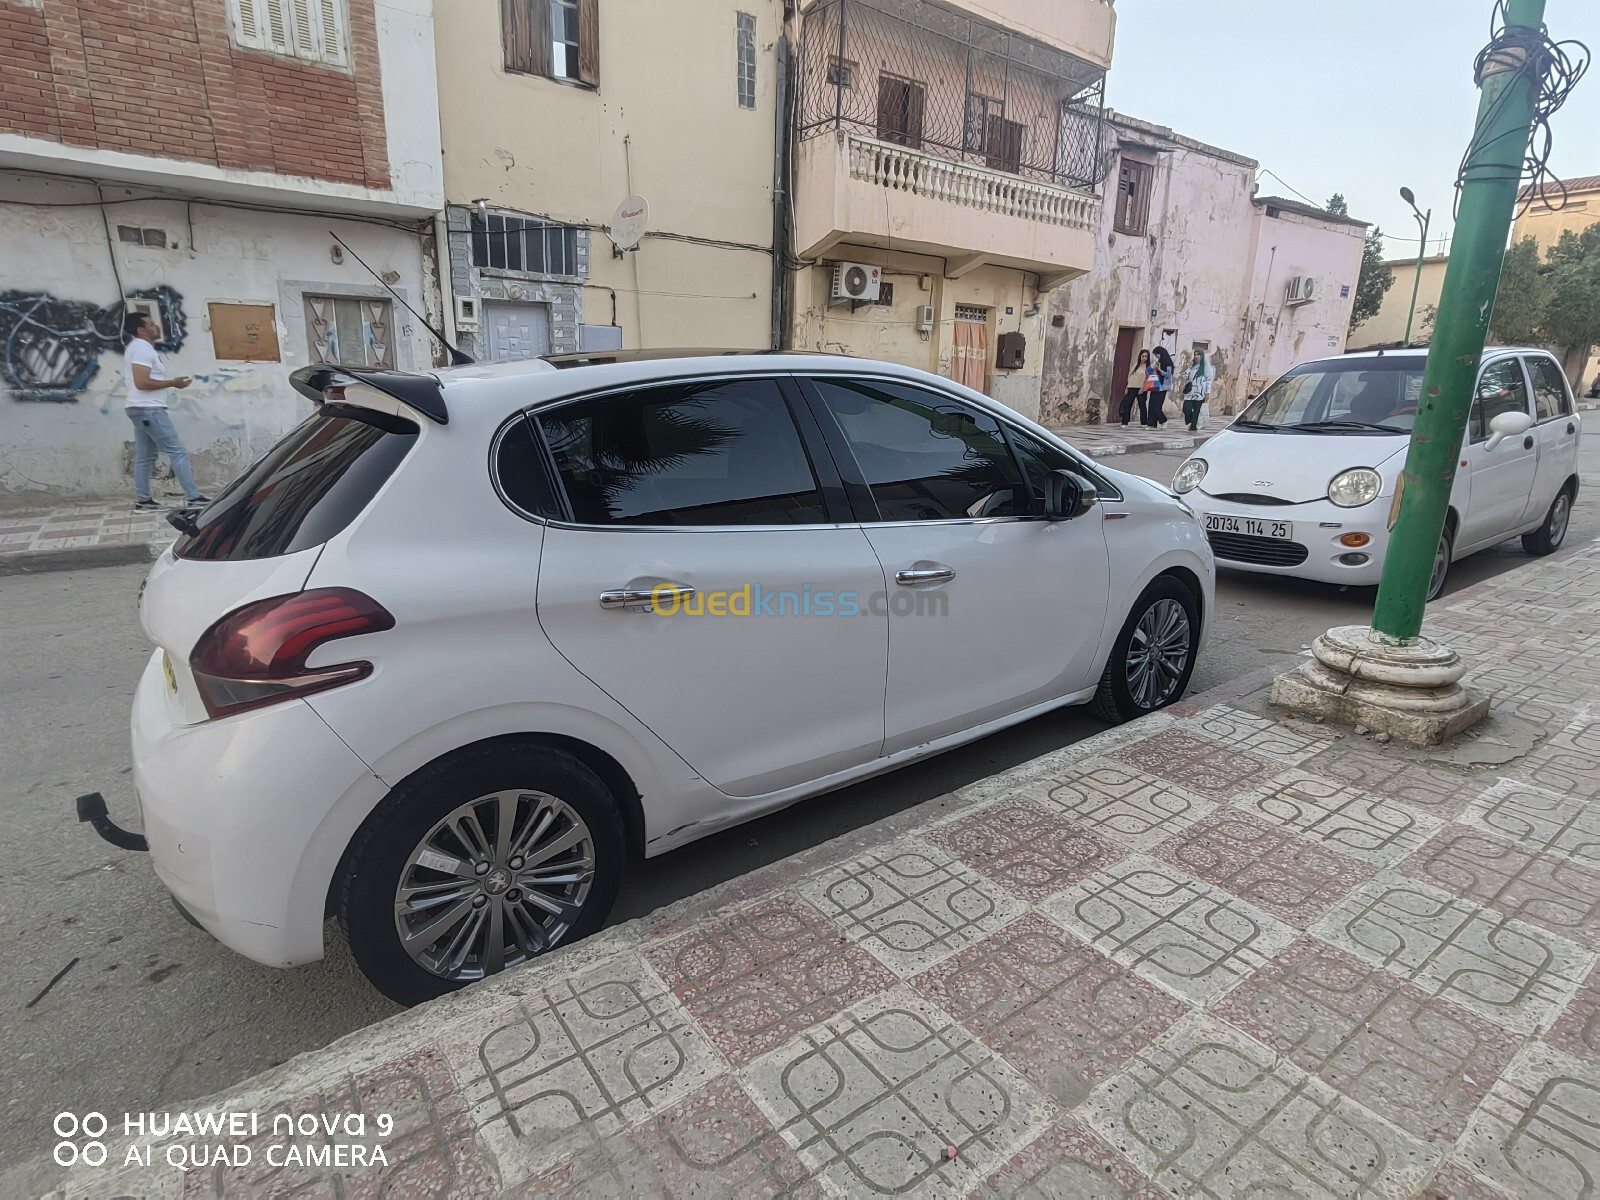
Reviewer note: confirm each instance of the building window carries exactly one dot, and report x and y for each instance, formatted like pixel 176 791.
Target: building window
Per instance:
pixel 559 39
pixel 885 295
pixel 133 235
pixel 313 30
pixel 991 135
pixel 1133 197
pixel 900 107
pixel 745 30
pixel 524 244
pixel 350 331
pixel 841 72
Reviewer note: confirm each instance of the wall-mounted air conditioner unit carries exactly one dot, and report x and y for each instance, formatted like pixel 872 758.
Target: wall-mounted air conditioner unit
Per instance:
pixel 856 281
pixel 1302 289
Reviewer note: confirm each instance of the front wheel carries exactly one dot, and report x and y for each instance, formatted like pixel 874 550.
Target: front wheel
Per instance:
pixel 479 863
pixel 1153 657
pixel 1441 565
pixel 1548 537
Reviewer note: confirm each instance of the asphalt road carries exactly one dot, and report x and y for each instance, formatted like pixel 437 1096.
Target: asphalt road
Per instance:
pixel 147 1012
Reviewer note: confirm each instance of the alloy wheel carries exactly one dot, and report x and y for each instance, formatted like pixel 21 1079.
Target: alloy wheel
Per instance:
pixel 498 881
pixel 1158 652
pixel 1560 514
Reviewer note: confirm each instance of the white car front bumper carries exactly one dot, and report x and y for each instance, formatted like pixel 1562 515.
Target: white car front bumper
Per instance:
pixel 1314 551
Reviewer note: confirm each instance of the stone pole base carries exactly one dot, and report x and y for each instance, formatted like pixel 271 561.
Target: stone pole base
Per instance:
pixel 1413 693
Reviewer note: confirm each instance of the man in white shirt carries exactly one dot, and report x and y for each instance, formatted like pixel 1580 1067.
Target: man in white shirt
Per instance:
pixel 153 432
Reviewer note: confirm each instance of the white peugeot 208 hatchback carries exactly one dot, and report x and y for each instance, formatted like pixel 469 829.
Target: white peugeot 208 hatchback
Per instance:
pixel 464 641
pixel 1303 482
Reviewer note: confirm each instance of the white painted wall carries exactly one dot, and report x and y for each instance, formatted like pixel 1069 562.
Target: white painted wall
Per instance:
pixel 54 242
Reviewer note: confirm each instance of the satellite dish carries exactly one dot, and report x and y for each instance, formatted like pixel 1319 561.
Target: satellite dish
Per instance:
pixel 628 223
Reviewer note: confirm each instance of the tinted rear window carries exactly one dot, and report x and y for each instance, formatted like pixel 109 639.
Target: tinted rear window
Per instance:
pixel 305 489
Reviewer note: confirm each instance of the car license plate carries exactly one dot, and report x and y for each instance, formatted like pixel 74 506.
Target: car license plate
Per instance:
pixel 1249 526
pixel 166 669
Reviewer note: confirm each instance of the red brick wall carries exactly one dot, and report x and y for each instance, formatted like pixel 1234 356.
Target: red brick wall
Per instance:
pixel 163 78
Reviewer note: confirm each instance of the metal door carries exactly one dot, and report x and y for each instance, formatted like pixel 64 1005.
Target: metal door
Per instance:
pixel 516 330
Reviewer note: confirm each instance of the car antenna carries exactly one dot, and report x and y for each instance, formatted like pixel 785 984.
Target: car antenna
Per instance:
pixel 457 358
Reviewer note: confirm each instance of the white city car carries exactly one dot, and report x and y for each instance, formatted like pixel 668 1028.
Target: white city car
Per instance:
pixel 464 641
pixel 1303 481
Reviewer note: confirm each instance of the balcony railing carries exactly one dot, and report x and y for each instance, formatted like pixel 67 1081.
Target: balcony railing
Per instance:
pixel 930 78
pixel 887 165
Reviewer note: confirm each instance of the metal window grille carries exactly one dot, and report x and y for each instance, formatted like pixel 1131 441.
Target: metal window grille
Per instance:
pixel 972 312
pixel 745 29
pixel 524 244
pixel 349 330
pixel 933 79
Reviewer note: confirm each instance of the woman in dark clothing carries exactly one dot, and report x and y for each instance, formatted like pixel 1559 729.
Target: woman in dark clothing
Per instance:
pixel 1163 385
pixel 1137 376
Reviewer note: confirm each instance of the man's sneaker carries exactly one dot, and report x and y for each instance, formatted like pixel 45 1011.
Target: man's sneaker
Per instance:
pixel 148 504
pixel 199 500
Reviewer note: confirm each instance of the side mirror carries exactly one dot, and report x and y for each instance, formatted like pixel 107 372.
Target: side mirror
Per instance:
pixel 1067 495
pixel 1507 425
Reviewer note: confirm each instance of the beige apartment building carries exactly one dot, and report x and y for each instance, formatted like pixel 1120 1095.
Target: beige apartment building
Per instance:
pixel 944 165
pixel 552 114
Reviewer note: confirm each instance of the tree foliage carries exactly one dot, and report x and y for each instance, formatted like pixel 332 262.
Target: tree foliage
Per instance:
pixel 1375 278
pixel 1524 292
pixel 1553 302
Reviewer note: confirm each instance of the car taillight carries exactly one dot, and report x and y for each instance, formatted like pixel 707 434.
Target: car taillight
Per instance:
pixel 257 654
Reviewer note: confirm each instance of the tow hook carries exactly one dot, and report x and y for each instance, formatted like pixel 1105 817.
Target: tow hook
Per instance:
pixel 92 808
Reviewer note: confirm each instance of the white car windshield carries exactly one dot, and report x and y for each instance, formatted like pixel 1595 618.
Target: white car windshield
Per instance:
pixel 1354 395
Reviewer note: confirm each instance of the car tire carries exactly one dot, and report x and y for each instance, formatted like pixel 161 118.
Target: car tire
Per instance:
pixel 551 796
pixel 1442 559
pixel 1125 692
pixel 1548 537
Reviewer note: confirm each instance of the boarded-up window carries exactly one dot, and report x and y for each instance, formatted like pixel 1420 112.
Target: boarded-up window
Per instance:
pixel 310 29
pixel 349 330
pixel 1134 184
pixel 557 38
pixel 745 36
pixel 900 107
pixel 243 332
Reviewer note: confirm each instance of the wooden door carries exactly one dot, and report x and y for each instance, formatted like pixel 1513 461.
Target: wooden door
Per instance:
pixel 1121 364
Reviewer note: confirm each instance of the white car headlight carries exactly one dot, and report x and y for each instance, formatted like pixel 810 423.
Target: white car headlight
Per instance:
pixel 1353 488
pixel 1189 476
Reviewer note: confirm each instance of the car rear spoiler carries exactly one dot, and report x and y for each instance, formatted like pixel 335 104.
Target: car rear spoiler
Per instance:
pixel 420 392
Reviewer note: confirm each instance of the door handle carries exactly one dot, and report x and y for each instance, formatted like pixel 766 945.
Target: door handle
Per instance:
pixel 645 597
pixel 1571 428
pixel 1527 442
pixel 915 575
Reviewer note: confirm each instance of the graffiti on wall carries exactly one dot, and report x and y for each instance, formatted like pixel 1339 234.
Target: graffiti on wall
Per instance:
pixel 50 349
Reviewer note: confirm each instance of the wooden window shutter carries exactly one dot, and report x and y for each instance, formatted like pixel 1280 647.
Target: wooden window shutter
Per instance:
pixel 249 22
pixel 891 95
pixel 525 35
pixel 277 26
pixel 304 37
pixel 589 41
pixel 916 98
pixel 332 41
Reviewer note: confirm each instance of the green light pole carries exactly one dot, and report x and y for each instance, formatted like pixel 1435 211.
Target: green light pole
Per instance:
pixel 1489 186
pixel 1410 198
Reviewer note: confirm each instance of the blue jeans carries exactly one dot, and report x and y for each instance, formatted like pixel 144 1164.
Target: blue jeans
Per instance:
pixel 153 434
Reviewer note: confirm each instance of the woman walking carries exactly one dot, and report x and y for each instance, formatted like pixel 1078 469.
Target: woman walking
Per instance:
pixel 1196 387
pixel 1138 382
pixel 1161 384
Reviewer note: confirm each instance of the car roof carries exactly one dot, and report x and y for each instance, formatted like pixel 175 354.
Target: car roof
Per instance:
pixel 1422 352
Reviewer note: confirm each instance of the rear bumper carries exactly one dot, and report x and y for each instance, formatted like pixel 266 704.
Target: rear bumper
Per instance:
pixel 1318 526
pixel 232 812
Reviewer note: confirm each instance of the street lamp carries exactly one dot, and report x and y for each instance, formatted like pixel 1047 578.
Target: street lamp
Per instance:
pixel 1410 198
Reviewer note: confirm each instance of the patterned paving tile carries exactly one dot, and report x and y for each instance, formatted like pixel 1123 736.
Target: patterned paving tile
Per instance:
pixel 1067 1162
pixel 1538 1133
pixel 1215 771
pixel 1578 1031
pixel 1517 975
pixel 430 1151
pixel 715 1143
pixel 758 977
pixel 1127 808
pixel 1419 786
pixel 1418 1060
pixel 1567 763
pixel 1454 1182
pixel 1293 879
pixel 1339 817
pixel 1281 739
pixel 1193 939
pixel 872 1098
pixel 1028 851
pixel 1208 1111
pixel 1538 820
pixel 912 905
pixel 1531 700
pixel 576 1060
pixel 1061 1014
pixel 1555 893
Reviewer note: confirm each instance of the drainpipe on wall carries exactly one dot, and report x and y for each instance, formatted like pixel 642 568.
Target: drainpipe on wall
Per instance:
pixel 780 197
pixel 444 281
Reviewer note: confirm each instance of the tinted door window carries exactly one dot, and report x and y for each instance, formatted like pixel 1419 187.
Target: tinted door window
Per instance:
pixel 305 489
pixel 1549 389
pixel 713 453
pixel 925 457
pixel 1500 390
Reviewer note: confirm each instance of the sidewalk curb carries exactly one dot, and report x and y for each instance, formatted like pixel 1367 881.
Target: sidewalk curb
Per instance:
pixel 1188 443
pixel 78 558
